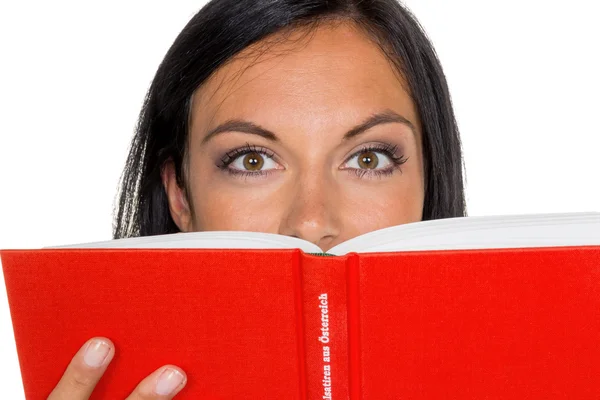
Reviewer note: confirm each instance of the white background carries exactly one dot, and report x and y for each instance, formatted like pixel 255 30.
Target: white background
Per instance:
pixel 524 75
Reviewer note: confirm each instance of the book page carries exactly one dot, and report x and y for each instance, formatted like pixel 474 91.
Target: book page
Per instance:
pixel 205 240
pixel 517 231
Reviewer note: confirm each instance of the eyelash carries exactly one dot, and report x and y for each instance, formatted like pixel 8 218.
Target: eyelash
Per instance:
pixel 388 150
pixel 229 157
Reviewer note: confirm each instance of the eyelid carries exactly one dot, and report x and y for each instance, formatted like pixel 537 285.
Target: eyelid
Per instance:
pixel 230 156
pixel 388 149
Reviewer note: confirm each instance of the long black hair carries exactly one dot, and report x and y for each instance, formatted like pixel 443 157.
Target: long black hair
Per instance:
pixel 223 28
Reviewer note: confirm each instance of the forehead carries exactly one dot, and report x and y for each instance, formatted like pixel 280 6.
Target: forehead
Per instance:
pixel 310 78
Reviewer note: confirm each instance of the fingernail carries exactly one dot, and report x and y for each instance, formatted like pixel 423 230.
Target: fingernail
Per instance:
pixel 168 381
pixel 96 353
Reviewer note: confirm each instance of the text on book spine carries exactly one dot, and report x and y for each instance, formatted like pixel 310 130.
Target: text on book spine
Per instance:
pixel 324 339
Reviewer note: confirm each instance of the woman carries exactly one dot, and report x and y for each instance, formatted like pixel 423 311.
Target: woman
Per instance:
pixel 316 119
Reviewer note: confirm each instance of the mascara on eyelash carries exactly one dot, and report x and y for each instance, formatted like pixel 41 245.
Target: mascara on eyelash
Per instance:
pixel 378 173
pixel 230 156
pixel 388 149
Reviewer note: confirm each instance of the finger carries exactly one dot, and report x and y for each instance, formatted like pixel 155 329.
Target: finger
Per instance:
pixel 84 371
pixel 162 384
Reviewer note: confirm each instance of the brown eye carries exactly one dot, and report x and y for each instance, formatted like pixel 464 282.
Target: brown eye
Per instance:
pixel 368 160
pixel 253 161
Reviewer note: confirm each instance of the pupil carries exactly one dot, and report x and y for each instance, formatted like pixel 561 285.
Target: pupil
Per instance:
pixel 253 161
pixel 369 160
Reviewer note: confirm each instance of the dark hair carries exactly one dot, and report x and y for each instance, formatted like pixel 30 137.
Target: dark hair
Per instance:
pixel 223 28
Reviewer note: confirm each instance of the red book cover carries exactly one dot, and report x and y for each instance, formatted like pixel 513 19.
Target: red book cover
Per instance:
pixel 494 324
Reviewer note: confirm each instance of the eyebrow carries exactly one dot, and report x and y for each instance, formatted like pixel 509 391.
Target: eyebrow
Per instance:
pixel 239 125
pixel 386 117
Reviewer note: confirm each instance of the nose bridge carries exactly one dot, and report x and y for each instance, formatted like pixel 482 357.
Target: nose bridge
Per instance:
pixel 310 200
pixel 311 213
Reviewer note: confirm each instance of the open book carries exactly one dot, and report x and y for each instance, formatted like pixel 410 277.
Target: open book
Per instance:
pixel 478 307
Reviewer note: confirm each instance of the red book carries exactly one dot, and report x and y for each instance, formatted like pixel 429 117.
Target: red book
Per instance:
pixel 464 322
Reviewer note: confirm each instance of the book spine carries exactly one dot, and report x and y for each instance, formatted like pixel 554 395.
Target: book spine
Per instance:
pixel 354 339
pixel 324 306
pixel 300 328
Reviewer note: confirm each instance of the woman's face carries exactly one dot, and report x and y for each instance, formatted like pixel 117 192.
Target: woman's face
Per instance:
pixel 312 136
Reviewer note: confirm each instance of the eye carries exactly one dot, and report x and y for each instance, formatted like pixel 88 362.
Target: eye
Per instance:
pixel 249 161
pixel 253 162
pixel 375 161
pixel 369 159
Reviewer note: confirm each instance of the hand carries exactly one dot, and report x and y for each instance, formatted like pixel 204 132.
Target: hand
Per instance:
pixel 90 362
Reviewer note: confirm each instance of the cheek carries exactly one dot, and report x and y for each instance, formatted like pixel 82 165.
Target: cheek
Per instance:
pixel 381 207
pixel 368 207
pixel 385 202
pixel 221 206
